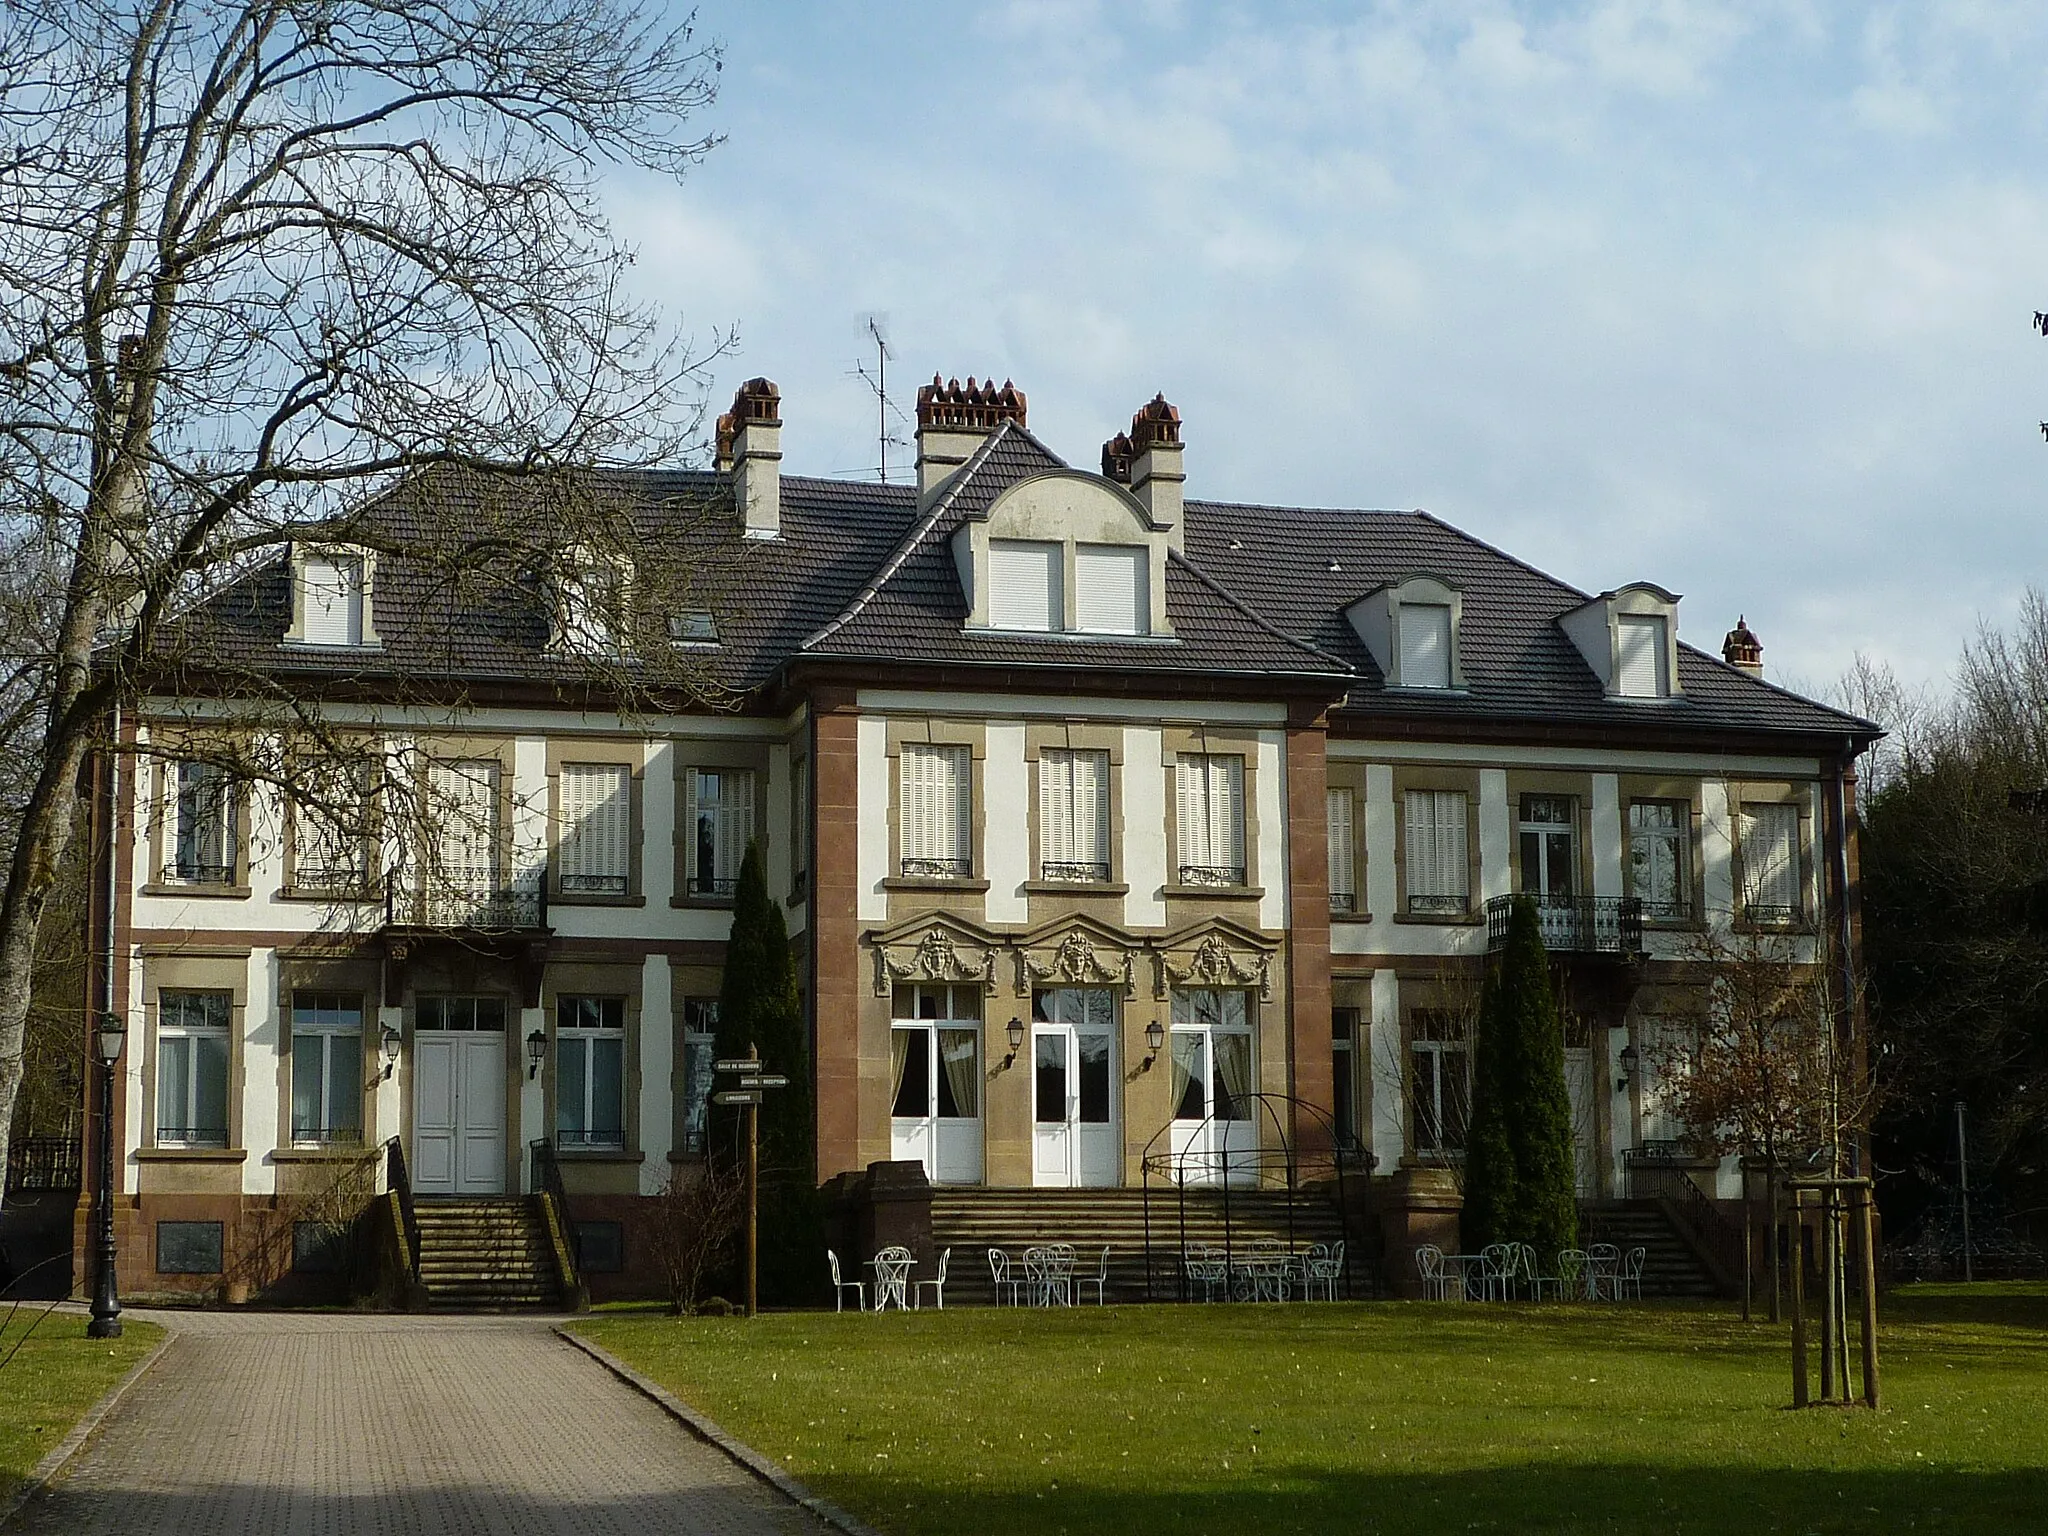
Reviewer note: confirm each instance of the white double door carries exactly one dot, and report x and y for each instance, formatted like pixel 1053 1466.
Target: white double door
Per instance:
pixel 458 1112
pixel 1075 1134
pixel 1214 1133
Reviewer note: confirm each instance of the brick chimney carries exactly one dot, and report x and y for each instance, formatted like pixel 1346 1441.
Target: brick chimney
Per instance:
pixel 1155 473
pixel 1743 649
pixel 953 420
pixel 750 450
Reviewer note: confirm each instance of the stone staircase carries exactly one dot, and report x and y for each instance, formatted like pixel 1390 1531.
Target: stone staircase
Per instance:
pixel 487 1255
pixel 1670 1265
pixel 972 1221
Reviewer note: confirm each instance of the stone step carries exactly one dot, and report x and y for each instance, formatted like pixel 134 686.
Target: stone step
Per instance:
pixel 486 1255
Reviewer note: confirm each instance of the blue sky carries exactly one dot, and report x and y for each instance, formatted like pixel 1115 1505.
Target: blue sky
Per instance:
pixel 1734 297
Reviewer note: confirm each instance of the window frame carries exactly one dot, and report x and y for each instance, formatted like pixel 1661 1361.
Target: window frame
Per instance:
pixel 1053 763
pixel 585 1038
pixel 1345 898
pixel 328 1132
pixel 1436 906
pixel 739 787
pixel 1053 553
pixel 1680 836
pixel 1195 789
pixel 189 1135
pixel 699 1031
pixel 1138 557
pixel 569 830
pixel 176 868
pixel 915 861
pixel 1431 1037
pixel 1768 915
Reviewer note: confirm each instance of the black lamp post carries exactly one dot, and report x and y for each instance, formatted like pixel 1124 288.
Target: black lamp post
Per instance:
pixel 536 1053
pixel 106 1303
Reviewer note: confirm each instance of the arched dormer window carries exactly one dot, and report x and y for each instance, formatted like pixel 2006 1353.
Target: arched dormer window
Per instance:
pixel 1064 554
pixel 1411 627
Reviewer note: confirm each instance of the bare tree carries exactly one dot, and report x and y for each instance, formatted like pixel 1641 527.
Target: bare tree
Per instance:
pixel 266 265
pixel 697 1215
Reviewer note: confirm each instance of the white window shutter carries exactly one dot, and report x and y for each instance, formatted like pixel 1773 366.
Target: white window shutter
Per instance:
pixel 1421 845
pixel 465 802
pixel 1091 807
pixel 735 821
pixel 1640 671
pixel 960 842
pixel 1452 870
pixel 1188 810
pixel 1056 807
pixel 1024 585
pixel 1425 645
pixel 1230 822
pixel 1770 855
pixel 1343 862
pixel 333 601
pixel 1111 595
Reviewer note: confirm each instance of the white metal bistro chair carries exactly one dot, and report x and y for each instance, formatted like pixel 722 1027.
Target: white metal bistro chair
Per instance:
pixel 1207 1267
pixel 1631 1282
pixel 1003 1276
pixel 892 1279
pixel 1325 1264
pixel 1498 1265
pixel 1265 1270
pixel 936 1286
pixel 1559 1285
pixel 1572 1275
pixel 1603 1272
pixel 1049 1275
pixel 841 1287
pixel 1099 1279
pixel 1436 1280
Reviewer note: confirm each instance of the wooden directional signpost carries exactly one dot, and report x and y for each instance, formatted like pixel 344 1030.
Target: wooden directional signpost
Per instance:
pixel 745 1093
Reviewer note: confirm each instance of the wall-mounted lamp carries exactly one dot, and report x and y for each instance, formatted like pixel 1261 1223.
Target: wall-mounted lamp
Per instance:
pixel 1155 1039
pixel 536 1053
pixel 109 1037
pixel 390 1042
pixel 1016 1041
pixel 1631 1064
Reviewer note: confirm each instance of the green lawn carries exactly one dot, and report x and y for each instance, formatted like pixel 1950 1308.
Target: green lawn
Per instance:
pixel 58 1374
pixel 1401 1417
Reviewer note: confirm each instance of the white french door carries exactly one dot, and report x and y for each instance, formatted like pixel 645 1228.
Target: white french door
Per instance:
pixel 1215 1133
pixel 935 1057
pixel 1075 1126
pixel 459 1096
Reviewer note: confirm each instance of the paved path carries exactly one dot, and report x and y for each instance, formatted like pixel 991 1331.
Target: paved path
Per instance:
pixel 347 1425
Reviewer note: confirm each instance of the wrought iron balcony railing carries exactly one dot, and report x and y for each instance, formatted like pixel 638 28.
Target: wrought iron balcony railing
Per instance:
pixel 1768 915
pixel 594 885
pixel 327 1135
pixel 714 887
pixel 591 1141
pixel 506 910
pixel 1343 903
pixel 192 1135
pixel 1583 925
pixel 1212 874
pixel 1079 872
pixel 937 869
pixel 193 872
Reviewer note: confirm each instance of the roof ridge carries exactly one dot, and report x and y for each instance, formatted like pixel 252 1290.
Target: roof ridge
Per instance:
pixel 908 545
pixel 1258 618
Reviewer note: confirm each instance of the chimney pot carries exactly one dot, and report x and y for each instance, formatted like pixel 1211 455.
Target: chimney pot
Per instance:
pixel 952 421
pixel 750 449
pixel 1116 459
pixel 1742 649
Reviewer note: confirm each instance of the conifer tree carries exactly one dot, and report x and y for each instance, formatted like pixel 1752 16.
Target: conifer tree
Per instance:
pixel 1519 1176
pixel 759 1007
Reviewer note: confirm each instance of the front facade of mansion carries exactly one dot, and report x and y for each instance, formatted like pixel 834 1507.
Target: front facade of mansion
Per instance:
pixel 1095 810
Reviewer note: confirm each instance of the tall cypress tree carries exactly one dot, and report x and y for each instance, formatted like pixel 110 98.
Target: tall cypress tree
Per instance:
pixel 759 1007
pixel 1519 1175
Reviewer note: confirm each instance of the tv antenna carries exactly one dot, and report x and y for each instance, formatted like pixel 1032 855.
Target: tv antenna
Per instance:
pixel 878 381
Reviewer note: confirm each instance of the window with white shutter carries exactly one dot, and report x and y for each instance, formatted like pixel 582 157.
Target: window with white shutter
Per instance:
pixel 597 829
pixel 331 600
pixel 1425 645
pixel 935 812
pixel 1209 811
pixel 1024 589
pixel 1642 669
pixel 1769 851
pixel 1112 591
pixel 1438 872
pixel 721 825
pixel 464 887
pixel 1343 853
pixel 1073 815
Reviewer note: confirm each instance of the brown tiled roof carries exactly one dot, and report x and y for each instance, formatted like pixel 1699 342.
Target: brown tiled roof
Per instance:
pixel 860 575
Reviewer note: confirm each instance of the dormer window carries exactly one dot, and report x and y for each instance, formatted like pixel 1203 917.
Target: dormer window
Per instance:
pixel 1425 633
pixel 591 594
pixel 1025 590
pixel 1629 639
pixel 331 597
pixel 1411 628
pixel 1640 670
pixel 1111 591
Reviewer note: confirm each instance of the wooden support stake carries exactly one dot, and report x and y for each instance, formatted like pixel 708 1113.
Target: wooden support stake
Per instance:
pixel 753 1196
pixel 1865 1199
pixel 1828 1330
pixel 1799 1399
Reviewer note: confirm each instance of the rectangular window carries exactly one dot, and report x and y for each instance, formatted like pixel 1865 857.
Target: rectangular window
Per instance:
pixel 1073 815
pixel 596 848
pixel 1642 661
pixel 1548 833
pixel 1440 1085
pixel 1425 645
pixel 1770 863
pixel 330 829
pixel 936 811
pixel 700 1053
pixel 1439 871
pixel 462 811
pixel 590 1072
pixel 1112 590
pixel 1658 834
pixel 1343 853
pixel 600 1246
pixel 1209 810
pixel 1343 1076
pixel 472 1013
pixel 935 1053
pixel 192 1068
pixel 327 1068
pixel 721 826
pixel 188 1248
pixel 1024 587
pixel 333 599
pixel 203 842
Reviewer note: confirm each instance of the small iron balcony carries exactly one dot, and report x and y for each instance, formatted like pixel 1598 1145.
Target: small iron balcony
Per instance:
pixel 1574 925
